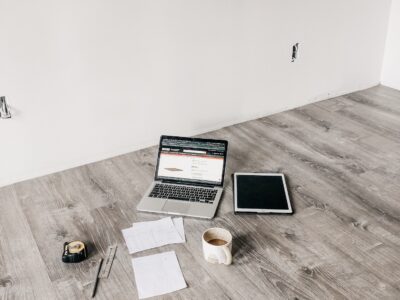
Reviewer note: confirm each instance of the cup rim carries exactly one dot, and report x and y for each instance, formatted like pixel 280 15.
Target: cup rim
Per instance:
pixel 219 228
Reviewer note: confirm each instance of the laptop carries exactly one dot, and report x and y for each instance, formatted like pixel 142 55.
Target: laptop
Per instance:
pixel 189 177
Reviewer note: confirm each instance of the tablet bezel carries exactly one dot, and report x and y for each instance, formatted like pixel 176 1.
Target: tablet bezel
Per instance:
pixel 262 210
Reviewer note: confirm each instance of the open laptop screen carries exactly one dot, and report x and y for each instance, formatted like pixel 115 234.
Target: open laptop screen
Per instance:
pixel 191 160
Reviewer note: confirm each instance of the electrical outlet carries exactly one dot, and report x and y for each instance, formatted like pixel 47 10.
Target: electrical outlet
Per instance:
pixel 295 51
pixel 4 109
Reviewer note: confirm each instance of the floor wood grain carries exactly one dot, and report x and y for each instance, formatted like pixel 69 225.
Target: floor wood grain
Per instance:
pixel 342 160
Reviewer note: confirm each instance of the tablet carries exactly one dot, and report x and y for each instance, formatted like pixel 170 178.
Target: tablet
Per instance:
pixel 261 193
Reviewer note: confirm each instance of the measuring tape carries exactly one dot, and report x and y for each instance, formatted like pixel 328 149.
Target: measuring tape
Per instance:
pixel 74 252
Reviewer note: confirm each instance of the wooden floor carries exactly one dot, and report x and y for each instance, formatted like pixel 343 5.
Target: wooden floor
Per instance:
pixel 342 160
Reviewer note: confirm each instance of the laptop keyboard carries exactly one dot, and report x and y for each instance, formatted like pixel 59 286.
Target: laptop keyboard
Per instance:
pixel 185 193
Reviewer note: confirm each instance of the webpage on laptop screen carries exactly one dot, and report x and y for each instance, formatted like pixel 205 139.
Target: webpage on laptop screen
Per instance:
pixel 195 161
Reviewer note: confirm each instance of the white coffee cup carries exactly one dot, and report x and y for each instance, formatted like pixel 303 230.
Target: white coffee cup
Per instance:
pixel 217 246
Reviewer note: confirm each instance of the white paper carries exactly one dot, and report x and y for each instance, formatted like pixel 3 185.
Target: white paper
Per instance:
pixel 178 223
pixel 157 274
pixel 147 235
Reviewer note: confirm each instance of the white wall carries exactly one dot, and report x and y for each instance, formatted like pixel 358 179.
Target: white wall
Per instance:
pixel 89 79
pixel 391 64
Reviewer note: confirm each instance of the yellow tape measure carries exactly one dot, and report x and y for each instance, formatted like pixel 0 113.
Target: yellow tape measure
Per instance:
pixel 74 252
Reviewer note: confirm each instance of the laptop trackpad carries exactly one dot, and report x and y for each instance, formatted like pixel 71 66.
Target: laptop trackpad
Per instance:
pixel 151 204
pixel 179 207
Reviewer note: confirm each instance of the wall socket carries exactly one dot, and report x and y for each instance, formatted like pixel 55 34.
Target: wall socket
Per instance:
pixel 4 109
pixel 295 51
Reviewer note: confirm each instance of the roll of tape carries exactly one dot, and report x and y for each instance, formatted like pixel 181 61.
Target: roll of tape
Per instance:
pixel 74 252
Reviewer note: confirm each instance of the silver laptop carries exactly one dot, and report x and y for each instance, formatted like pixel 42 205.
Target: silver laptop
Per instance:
pixel 189 177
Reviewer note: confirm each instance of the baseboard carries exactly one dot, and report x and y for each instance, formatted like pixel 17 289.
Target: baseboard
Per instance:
pixel 151 142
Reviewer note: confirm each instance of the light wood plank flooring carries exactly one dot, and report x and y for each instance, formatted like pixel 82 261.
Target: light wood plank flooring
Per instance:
pixel 342 160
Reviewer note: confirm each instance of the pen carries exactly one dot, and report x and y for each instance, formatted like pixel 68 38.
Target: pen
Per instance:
pixel 97 277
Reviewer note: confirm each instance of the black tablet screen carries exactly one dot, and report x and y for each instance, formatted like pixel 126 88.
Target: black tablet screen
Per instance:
pixel 261 192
